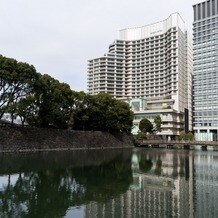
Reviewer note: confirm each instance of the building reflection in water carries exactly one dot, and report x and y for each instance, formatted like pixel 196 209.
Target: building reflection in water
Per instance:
pixel 206 185
pixel 110 183
pixel 166 184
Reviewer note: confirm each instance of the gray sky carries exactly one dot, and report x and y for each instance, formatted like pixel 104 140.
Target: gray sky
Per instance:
pixel 59 36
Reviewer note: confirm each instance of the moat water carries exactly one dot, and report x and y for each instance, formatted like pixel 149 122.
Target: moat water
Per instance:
pixel 109 183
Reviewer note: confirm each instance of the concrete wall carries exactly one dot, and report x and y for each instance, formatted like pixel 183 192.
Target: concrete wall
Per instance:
pixel 31 139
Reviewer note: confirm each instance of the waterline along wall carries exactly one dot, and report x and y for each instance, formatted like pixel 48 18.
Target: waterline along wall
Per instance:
pixel 34 139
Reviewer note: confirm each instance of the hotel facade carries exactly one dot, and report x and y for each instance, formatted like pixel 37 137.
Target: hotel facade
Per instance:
pixel 151 68
pixel 205 79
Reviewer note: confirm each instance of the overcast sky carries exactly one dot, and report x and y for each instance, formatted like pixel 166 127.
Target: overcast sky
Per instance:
pixel 59 36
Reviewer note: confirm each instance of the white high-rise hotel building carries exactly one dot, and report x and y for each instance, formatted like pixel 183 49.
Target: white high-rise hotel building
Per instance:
pixel 151 68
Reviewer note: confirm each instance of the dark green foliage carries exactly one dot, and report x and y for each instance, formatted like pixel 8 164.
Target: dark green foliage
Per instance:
pixel 190 136
pixel 145 165
pixel 145 126
pixel 54 102
pixel 186 136
pixel 50 184
pixel 102 112
pixel 157 121
pixel 141 136
pixel 182 135
pixel 42 101
pixel 17 81
pixel 158 168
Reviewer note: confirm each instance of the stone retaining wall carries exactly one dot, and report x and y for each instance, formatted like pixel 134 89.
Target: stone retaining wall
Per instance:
pixel 33 139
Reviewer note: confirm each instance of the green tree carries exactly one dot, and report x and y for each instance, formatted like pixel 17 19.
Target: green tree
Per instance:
pixel 104 113
pixel 190 136
pixel 157 122
pixel 182 136
pixel 42 101
pixel 17 81
pixel 26 110
pixel 145 125
pixel 186 136
pixel 54 103
pixel 141 136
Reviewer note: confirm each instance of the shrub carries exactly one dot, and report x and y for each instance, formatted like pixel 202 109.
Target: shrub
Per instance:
pixel 141 136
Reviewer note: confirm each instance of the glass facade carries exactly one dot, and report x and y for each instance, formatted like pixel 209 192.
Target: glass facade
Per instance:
pixel 205 80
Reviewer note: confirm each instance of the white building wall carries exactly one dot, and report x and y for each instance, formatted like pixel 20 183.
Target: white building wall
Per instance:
pixel 131 34
pixel 148 62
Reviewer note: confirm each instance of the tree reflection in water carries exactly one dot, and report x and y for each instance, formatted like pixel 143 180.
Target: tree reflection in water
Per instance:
pixel 51 191
pixel 109 183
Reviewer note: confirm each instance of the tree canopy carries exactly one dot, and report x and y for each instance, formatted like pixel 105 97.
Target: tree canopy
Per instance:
pixel 145 125
pixel 17 81
pixel 102 112
pixel 157 122
pixel 42 101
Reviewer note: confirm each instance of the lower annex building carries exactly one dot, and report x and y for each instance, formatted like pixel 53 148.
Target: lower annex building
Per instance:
pixel 151 68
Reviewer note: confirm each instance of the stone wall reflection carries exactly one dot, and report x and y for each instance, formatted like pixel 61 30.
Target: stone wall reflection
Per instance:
pixel 66 181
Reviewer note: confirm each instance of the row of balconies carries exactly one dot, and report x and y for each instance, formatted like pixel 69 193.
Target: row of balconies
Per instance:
pixel 152 75
pixel 148 63
pixel 148 92
pixel 151 52
pixel 155 92
pixel 147 56
pixel 139 77
pixel 148 82
pixel 161 43
pixel 148 59
pixel 137 72
pixel 151 60
pixel 148 47
pixel 164 77
pixel 129 89
pixel 152 67
pixel 151 49
pixel 154 88
pixel 148 72
pixel 139 80
pixel 157 38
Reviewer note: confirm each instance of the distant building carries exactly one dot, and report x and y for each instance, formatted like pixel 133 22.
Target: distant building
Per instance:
pixel 205 80
pixel 172 121
pixel 152 63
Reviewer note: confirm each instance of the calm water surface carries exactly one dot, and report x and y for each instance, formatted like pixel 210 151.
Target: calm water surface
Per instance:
pixel 109 183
